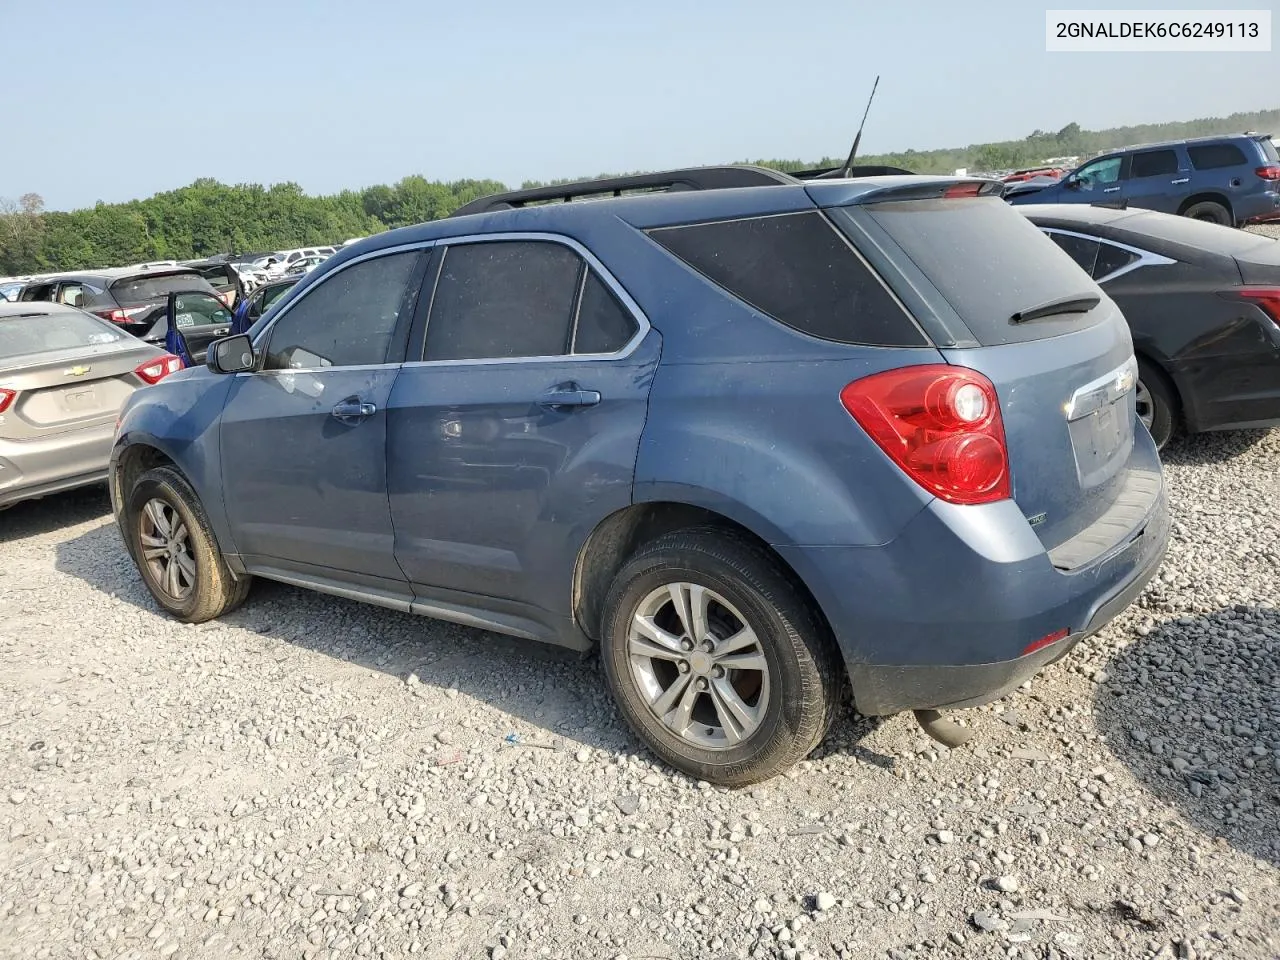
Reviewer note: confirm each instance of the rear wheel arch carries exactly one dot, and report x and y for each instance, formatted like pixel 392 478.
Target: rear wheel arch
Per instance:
pixel 620 535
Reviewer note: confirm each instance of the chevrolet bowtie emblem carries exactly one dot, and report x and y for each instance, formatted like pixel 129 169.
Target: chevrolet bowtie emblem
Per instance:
pixel 77 371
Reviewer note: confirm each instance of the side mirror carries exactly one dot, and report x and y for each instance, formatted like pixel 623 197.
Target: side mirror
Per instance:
pixel 231 355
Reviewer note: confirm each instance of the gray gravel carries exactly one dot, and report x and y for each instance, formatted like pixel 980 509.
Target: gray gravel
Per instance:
pixel 316 778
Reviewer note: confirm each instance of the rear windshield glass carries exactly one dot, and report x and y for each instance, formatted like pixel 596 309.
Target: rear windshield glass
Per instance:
pixel 219 276
pixel 132 291
pixel 26 335
pixel 988 262
pixel 1195 233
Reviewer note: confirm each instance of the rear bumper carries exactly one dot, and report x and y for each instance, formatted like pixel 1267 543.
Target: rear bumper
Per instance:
pixel 37 468
pixel 933 621
pixel 1259 208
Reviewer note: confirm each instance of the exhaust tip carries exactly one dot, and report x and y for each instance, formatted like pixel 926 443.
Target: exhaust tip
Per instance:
pixel 944 731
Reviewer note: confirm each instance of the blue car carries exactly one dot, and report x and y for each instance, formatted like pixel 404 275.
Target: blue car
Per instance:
pixel 1229 180
pixel 747 441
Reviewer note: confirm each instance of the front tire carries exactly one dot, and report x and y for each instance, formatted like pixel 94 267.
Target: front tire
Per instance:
pixel 168 534
pixel 716 659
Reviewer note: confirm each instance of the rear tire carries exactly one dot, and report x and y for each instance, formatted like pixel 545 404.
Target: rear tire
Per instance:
pixel 168 534
pixel 1209 211
pixel 757 683
pixel 1157 403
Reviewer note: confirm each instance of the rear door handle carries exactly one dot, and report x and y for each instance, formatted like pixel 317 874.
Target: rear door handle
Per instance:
pixel 353 408
pixel 1110 189
pixel 570 395
pixel 1183 180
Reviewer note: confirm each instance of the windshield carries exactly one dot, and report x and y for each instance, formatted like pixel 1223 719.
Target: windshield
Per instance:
pixel 988 262
pixel 132 291
pixel 34 333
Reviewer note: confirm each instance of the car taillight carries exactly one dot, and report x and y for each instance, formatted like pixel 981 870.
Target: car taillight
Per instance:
pixel 153 371
pixel 1268 298
pixel 6 398
pixel 1270 172
pixel 115 316
pixel 941 425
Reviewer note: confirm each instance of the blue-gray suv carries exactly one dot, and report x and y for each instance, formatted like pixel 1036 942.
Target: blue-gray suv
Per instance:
pixel 749 441
pixel 1231 180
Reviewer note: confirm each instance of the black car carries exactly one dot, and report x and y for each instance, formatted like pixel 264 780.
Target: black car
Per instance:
pixel 1203 304
pixel 133 298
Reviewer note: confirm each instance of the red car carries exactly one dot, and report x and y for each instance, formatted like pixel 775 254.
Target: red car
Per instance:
pixel 1020 175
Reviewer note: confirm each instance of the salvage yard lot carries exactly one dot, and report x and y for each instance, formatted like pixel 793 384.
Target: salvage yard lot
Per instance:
pixel 313 777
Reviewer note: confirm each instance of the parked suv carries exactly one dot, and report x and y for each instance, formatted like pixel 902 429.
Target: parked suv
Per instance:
pixel 746 441
pixel 1232 180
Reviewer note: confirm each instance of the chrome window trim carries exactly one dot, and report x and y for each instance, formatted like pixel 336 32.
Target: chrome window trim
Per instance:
pixel 629 304
pixel 1145 257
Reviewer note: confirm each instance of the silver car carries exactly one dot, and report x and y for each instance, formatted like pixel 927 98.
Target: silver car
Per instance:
pixel 64 375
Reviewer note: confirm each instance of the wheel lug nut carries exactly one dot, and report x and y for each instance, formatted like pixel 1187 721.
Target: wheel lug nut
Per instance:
pixel 702 684
pixel 708 646
pixel 683 666
pixel 717 672
pixel 686 644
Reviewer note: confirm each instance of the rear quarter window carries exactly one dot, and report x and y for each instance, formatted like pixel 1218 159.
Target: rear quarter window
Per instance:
pixel 1214 156
pixel 988 262
pixel 798 269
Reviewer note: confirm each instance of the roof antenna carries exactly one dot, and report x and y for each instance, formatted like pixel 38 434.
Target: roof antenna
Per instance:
pixel 847 169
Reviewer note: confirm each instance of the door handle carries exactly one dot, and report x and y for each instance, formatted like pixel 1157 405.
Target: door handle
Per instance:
pixel 569 395
pixel 353 408
pixel 1183 180
pixel 1110 189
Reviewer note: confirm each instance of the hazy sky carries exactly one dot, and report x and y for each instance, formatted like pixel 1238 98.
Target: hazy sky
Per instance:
pixel 116 99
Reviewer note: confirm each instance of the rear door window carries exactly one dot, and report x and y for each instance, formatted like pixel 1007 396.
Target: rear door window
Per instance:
pixel 1214 156
pixel 798 269
pixel 1111 259
pixel 1153 163
pixel 1083 250
pixel 988 262
pixel 503 299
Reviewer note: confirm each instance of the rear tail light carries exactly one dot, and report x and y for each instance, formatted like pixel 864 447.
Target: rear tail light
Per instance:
pixel 1268 298
pixel 153 371
pixel 115 316
pixel 6 398
pixel 941 425
pixel 1270 172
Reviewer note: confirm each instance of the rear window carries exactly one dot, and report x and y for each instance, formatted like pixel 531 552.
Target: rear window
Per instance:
pixel 1227 241
pixel 1213 156
pixel 988 262
pixel 1269 150
pixel 798 269
pixel 131 291
pixel 219 276
pixel 26 335
pixel 1153 163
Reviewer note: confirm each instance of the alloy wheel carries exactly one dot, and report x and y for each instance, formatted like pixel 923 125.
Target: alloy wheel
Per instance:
pixel 166 549
pixel 699 665
pixel 1145 405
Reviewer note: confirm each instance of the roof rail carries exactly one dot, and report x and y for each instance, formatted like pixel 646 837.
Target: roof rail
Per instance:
pixel 692 178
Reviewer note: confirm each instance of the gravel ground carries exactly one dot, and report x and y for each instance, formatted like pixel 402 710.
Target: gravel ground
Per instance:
pixel 317 778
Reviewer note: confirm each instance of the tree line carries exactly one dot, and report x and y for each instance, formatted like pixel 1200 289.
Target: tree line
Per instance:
pixel 209 217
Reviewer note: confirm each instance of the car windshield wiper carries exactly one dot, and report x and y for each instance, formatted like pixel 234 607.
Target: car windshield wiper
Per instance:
pixel 1078 304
